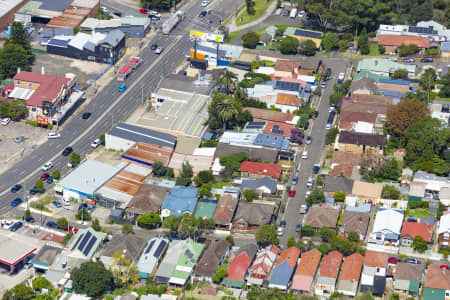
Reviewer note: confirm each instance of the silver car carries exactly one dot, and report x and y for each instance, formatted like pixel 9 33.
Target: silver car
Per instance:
pixel 159 50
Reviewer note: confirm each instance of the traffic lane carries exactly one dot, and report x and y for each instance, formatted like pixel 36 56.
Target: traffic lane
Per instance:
pixel 115 6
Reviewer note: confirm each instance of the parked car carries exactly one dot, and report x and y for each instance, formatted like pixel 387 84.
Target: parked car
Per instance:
pixel 280 231
pixel 86 115
pixel 52 224
pixel 159 50
pixel 71 229
pixel 204 3
pixel 413 261
pixel 66 202
pixel 301 14
pixel 323 84
pixel 341 77
pixel 57 204
pixel 104 9
pixel 6 121
pixel 154 16
pixel 49 179
pixel 202 13
pixel 117 13
pixel 316 113
pixel 291 193
pixel 16 202
pixel 409 60
pixel 16 226
pixel 143 11
pixel 34 191
pixel 67 151
pixel 122 88
pixel 393 260
pixel 47 166
pixel 286 13
pixel 30 220
pixel 8 223
pixel 154 46
pixel 427 60
pixel 316 168
pixel 303 208
pixel 305 155
pixel 278 12
pixel 310 182
pixel 16 188
pixel 445 267
pixel 294 180
pixel 19 139
pixel 44 176
pixel 54 135
pixel 96 143
pixel 391 58
pixel 298 228
pixel 308 140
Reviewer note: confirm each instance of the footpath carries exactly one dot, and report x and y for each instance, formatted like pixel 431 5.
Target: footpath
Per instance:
pixel 265 15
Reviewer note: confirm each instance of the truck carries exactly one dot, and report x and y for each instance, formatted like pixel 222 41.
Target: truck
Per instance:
pixel 172 21
pixel 293 13
pixel 123 73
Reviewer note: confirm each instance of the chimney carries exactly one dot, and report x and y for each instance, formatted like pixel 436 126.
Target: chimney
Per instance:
pixel 18 70
pixel 42 70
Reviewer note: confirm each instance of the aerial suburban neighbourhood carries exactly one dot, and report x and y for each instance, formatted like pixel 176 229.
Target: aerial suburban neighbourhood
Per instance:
pixel 224 149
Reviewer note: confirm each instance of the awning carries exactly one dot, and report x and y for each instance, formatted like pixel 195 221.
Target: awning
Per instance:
pixel 21 93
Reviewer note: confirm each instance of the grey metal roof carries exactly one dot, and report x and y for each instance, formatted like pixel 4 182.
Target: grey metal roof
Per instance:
pixel 90 46
pixel 272 141
pixel 143 135
pixel 55 5
pixel 256 183
pixel 113 37
pixel 186 84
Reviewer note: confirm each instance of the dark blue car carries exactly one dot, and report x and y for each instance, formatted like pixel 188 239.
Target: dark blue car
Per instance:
pixel 83 205
pixel 16 202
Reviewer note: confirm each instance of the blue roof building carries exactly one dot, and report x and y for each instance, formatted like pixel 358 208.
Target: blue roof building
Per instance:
pixel 283 271
pixel 181 200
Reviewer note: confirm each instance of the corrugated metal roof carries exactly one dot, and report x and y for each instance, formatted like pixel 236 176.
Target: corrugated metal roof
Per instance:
pixel 79 40
pixel 139 134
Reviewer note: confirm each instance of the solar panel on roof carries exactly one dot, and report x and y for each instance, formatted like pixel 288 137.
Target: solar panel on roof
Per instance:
pixel 89 246
pixel 257 123
pixel 307 33
pixel 76 243
pixel 58 43
pixel 150 246
pixel 276 126
pixel 84 241
pixel 288 86
pixel 160 248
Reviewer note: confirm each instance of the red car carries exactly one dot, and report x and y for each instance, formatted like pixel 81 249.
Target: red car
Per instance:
pixel 71 228
pixel 393 260
pixel 445 267
pixel 292 193
pixel 144 11
pixel 44 176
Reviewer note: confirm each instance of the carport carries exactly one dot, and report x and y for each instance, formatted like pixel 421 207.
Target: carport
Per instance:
pixel 13 252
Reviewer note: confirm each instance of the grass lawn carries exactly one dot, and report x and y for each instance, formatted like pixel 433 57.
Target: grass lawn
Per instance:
pixel 221 184
pixel 233 35
pixel 374 49
pixel 442 99
pixel 418 212
pixel 42 204
pixel 260 8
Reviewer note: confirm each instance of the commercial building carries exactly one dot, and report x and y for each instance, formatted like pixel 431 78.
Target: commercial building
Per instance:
pixel 7 10
pixel 132 27
pixel 216 54
pixel 148 154
pixel 99 47
pixel 13 252
pixel 45 257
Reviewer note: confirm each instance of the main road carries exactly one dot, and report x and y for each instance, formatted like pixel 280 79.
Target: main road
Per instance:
pixel 111 106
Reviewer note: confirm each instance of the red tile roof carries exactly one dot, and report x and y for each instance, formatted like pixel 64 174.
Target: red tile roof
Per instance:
pixel 412 229
pixel 264 261
pixel 342 170
pixel 272 170
pixel 437 278
pixel 352 266
pixel 288 99
pixel 238 267
pixel 49 86
pixel 286 65
pixel 376 259
pixel 330 264
pixel 290 255
pixel 269 115
pixel 308 263
pixel 398 40
pixel 286 128
pixel 347 158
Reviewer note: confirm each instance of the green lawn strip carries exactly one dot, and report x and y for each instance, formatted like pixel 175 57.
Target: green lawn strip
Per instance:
pixel 260 8
pixel 233 35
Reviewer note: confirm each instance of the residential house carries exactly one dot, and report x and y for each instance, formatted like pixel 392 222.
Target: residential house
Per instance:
pixel 350 274
pixel 408 278
pixel 367 73
pixel 286 68
pixel 394 88
pixel 48 98
pixel 269 155
pixel 344 164
pixel 239 266
pixel 251 215
pixel 186 262
pixel 371 99
pixel 284 269
pixel 263 264
pixel 366 191
pixel 361 122
pixel 387 226
pixel 263 186
pixel 211 259
pixel 225 209
pixel 365 86
pixel 278 128
pixel 322 217
pixel 441 111
pixel 271 31
pixel 410 230
pixel 149 198
pixel 129 246
pixel 334 184
pixel 169 262
pixel 383 67
pixel 85 243
pixel 373 278
pixel 287 102
pixel 444 231
pixel 302 35
pixel 392 42
pixel 357 142
pixel 353 221
pixel 445 49
pixel 328 273
pixel 306 272
pixel 437 283
pixel 252 139
pixel 250 169
pixel 181 200
pixel 152 256
pixel 434 184
pixel 260 114
pixel 364 114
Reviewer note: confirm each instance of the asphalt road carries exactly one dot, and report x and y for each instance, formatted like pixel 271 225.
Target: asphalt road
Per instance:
pixel 315 149
pixel 110 106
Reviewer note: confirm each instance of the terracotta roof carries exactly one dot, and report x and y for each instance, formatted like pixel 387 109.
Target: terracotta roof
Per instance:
pixel 286 65
pixel 49 86
pixel 394 87
pixel 272 170
pixel 376 259
pixel 147 153
pixel 365 106
pixel 412 229
pixel 398 40
pixel 288 99
pixel 347 158
pixel 357 138
pixel 269 115
pixel 355 116
pixel 265 258
pixel 330 265
pixel 322 216
pixel 210 260
pixel 437 278
pixel 238 267
pixel 225 209
pixel 308 263
pixel 285 128
pixel 367 189
pixel 290 255
pixel 376 99
pixel 409 271
pixel 149 198
pixel 355 221
pixel 342 170
pixel 306 71
pixel 352 266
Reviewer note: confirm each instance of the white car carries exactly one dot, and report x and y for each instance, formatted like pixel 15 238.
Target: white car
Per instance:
pixel 66 202
pixel 305 155
pixel 341 76
pixel 310 182
pixel 96 143
pixel 280 231
pixel 8 223
pixel 159 50
pixel 204 3
pixel 6 121
pixel 47 166
pixel 303 209
pixel 54 135
pixel 104 9
pixel 307 194
pixel 301 14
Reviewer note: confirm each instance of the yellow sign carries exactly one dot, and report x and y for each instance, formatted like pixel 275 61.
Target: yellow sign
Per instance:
pixel 206 36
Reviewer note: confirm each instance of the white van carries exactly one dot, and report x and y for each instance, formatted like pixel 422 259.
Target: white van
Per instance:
pixel 293 13
pixel 66 202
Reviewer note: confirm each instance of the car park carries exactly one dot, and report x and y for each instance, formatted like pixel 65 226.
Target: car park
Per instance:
pixel 19 139
pixel 52 224
pixel 57 204
pixel 6 121
pixel 291 193
pixel 16 188
pixel 427 60
pixel 298 228
pixel 86 115
pixel 16 202
pixel 413 261
pixel 67 151
pixel 393 260
pixel 409 60
pixel 294 180
pixel 122 88
pixel 47 166
pixel 54 135
pixel 202 13
pixel 159 50
pixel 16 226
pixel 44 176
pixel 305 155
pixel 96 143
pixel 308 140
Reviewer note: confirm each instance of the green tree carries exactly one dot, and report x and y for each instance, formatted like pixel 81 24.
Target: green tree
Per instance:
pixel 149 221
pixel 127 228
pixel 158 169
pixel 428 80
pixel 309 48
pixel 67 237
pixel 19 37
pixel 390 192
pixel 27 215
pixel 233 161
pixel 205 191
pixel 62 223
pixel 353 236
pixel 308 231
pixel 323 248
pixel 172 223
pixel 250 195
pixel 92 279
pixel 289 45
pixel 331 135
pixel 101 137
pixel 75 159
pixel 40 283
pixel 339 196
pixel 83 214
pixel 227 79
pixel 56 174
pixel 400 74
pixel 326 234
pixel 390 170
pixel 445 88
pixel 405 50
pixel 363 43
pixel 266 235
pixel 316 196
pixel 13 56
pixel 230 239
pixel 250 40
pixel 96 225
pixel 203 177
pixel 404 114
pixel 226 111
pixel 419 244
pixel 39 185
pixel 330 41
pixel 250 6
pixel 220 274
pixel 381 49
pixel 291 242
pixel 20 291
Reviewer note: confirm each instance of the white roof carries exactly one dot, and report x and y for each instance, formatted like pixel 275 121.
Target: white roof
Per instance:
pixel 21 93
pixel 265 70
pixel 79 40
pixel 7 5
pixel 388 220
pixel 79 297
pixel 444 224
pixel 238 137
pixel 208 151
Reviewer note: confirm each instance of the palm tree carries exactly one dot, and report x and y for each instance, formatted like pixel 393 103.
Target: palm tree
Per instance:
pixel 226 110
pixel 226 79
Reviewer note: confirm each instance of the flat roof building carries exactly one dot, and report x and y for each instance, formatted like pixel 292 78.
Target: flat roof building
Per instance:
pixel 7 10
pixel 12 252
